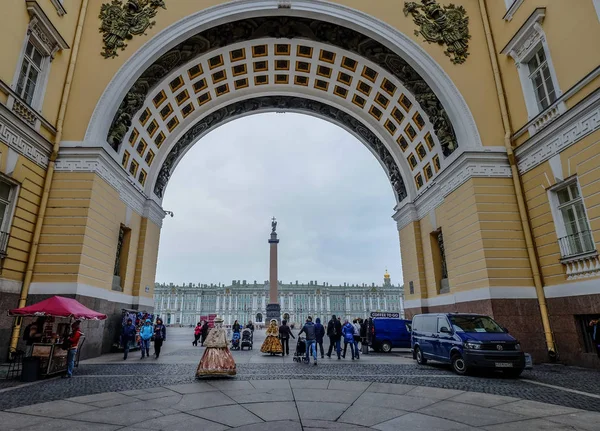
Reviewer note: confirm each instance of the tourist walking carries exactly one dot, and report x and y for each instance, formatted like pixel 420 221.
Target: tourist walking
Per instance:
pixel 160 336
pixel 146 333
pixel 319 334
pixel 73 344
pixel 272 344
pixel 250 326
pixel 284 335
pixel 334 332
pixel 363 336
pixel 311 339
pixel 197 333
pixel 204 333
pixel 127 337
pixel 236 327
pixel 217 359
pixel 348 331
pixel 356 326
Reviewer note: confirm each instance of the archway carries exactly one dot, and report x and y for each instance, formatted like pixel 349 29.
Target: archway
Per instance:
pixel 259 317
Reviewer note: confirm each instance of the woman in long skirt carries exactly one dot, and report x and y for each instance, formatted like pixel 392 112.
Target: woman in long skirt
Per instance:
pixel 217 360
pixel 272 344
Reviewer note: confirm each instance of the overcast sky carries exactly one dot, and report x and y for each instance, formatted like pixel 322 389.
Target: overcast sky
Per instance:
pixel 331 198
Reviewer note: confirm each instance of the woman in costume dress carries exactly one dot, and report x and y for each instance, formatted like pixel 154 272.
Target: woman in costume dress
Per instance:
pixel 272 344
pixel 217 360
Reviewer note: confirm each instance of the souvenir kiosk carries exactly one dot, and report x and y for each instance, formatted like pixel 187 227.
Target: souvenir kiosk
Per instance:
pixel 59 312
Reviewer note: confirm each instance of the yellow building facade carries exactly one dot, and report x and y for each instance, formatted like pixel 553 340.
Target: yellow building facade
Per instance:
pixel 484 115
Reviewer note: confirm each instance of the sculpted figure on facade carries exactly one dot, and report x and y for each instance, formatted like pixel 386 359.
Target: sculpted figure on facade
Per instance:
pixel 123 19
pixel 447 25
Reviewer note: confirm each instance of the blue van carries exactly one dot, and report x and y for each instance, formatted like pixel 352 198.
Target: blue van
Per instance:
pixel 466 341
pixel 390 333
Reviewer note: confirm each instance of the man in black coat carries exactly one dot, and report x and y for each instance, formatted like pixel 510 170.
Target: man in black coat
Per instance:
pixel 334 332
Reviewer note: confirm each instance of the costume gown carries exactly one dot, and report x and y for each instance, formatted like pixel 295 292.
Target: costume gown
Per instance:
pixel 272 344
pixel 217 359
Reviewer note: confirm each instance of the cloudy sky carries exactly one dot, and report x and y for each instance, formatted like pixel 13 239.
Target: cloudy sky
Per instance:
pixel 331 198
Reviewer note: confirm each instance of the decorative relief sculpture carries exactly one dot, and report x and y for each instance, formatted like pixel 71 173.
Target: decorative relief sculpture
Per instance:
pixel 123 19
pixel 447 25
pixel 283 27
pixel 283 103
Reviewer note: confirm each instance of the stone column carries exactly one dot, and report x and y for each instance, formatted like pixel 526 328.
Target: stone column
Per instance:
pixel 273 308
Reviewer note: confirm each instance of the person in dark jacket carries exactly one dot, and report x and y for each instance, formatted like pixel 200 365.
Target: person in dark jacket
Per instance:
pixel 160 335
pixel 319 333
pixel 250 326
pixel 311 338
pixel 197 333
pixel 236 327
pixel 595 330
pixel 334 332
pixel 127 337
pixel 284 334
pixel 204 333
pixel 348 331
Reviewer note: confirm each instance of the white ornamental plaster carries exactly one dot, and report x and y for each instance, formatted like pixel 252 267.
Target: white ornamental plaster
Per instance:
pixel 574 125
pixel 22 139
pixel 40 26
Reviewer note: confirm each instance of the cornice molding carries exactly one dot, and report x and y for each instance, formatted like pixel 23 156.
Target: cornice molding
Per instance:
pixel 60 9
pixel 48 37
pixel 570 128
pixel 492 162
pixel 23 139
pixel 527 36
pixel 516 4
pixel 98 161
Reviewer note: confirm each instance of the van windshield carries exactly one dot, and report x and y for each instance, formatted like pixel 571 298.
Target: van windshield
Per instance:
pixel 475 324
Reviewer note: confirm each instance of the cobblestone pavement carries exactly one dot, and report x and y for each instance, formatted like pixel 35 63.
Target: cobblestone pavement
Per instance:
pixel 578 388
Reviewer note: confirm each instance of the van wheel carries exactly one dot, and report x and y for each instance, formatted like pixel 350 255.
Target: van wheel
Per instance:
pixel 459 365
pixel 512 374
pixel 386 347
pixel 421 360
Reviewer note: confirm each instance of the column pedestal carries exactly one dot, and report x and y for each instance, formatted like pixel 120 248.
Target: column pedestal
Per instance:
pixel 274 312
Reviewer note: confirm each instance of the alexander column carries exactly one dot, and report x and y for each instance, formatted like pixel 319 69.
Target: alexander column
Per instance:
pixel 273 308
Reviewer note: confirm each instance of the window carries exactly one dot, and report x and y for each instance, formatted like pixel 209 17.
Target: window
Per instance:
pixel 31 72
pixel 573 230
pixel 8 193
pixel 540 78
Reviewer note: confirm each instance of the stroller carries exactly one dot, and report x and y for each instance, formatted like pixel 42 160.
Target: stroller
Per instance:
pixel 300 353
pixel 235 341
pixel 247 339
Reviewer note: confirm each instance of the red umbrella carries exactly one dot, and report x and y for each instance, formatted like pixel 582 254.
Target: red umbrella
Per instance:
pixel 58 306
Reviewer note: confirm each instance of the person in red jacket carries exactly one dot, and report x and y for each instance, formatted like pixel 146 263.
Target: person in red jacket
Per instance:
pixel 74 343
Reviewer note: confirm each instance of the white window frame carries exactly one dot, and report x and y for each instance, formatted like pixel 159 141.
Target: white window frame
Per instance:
pixel 539 69
pixel 522 48
pixel 7 220
pixel 511 8
pixel 559 222
pixel 42 81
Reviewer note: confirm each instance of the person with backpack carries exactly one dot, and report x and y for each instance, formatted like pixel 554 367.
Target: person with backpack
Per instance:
pixel 127 336
pixel 348 331
pixel 334 332
pixel 311 339
pixel 197 333
pixel 319 333
pixel 146 333
pixel 160 335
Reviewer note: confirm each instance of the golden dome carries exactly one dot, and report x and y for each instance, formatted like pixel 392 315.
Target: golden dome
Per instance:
pixel 386 275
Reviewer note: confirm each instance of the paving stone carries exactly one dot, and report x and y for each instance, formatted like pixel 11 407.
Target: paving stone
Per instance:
pixel 274 411
pixel 263 395
pixel 392 401
pixel 195 401
pixel 314 425
pixel 472 415
pixel 122 415
pixel 119 401
pixel 97 397
pixel 154 395
pixel 482 400
pixel 390 388
pixel 54 409
pixel 535 409
pixel 271 426
pixel 192 388
pixel 164 421
pixel 134 392
pixel 320 410
pixel 14 421
pixel 233 416
pixel 309 384
pixel 348 385
pixel 435 393
pixel 329 395
pixel 70 425
pixel 420 422
pixel 538 424
pixel 271 384
pixel 583 420
pixel 223 385
pixel 369 415
pixel 192 423
pixel 155 404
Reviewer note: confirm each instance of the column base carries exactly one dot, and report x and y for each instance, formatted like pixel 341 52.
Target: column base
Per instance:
pixel 273 312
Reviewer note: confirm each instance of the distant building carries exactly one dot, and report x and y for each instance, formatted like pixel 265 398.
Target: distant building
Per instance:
pixel 244 301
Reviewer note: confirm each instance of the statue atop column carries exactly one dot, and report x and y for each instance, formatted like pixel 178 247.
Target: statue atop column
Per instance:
pixel 273 225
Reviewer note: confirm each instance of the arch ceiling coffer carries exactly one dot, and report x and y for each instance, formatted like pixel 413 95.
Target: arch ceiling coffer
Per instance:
pixel 284 28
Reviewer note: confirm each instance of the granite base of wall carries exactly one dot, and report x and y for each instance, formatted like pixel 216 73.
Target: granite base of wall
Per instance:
pixel 520 316
pixel 99 334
